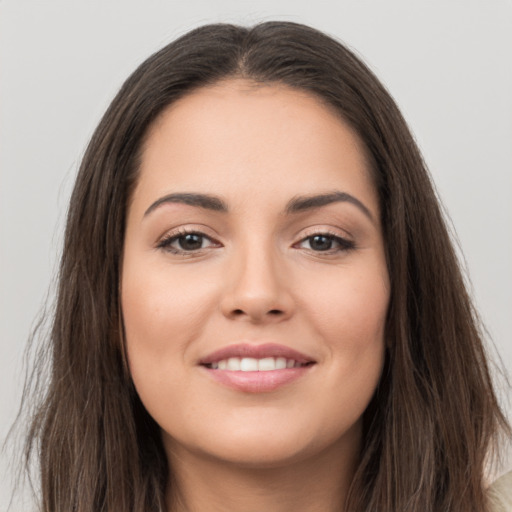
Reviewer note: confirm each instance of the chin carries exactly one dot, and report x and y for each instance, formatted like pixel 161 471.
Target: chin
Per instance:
pixel 265 448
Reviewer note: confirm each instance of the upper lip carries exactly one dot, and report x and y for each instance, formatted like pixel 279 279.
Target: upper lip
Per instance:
pixel 256 352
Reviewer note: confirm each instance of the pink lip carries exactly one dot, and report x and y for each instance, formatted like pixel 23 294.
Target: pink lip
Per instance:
pixel 256 382
pixel 257 352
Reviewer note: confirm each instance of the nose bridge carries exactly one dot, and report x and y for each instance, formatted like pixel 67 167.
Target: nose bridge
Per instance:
pixel 256 287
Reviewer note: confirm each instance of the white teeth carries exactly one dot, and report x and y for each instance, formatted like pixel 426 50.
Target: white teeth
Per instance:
pixel 266 364
pixel 234 364
pixel 280 363
pixel 250 364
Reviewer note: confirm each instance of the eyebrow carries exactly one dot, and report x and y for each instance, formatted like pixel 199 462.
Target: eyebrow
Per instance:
pixel 303 203
pixel 296 205
pixel 205 201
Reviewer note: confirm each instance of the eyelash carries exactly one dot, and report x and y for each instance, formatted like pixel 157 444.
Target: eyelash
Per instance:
pixel 165 244
pixel 344 244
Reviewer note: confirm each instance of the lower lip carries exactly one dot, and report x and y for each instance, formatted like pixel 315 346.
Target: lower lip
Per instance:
pixel 258 382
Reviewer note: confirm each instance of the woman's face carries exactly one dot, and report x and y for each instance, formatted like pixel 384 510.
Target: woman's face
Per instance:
pixel 254 283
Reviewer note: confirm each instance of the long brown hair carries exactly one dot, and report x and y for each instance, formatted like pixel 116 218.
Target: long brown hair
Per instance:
pixel 434 417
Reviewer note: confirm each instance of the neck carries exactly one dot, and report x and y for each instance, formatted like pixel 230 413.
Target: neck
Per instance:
pixel 313 484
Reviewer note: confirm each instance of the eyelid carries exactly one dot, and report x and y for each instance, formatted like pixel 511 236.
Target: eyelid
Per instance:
pixel 345 243
pixel 185 229
pixel 164 242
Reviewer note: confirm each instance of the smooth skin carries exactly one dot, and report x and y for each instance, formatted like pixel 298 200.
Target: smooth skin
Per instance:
pixel 314 279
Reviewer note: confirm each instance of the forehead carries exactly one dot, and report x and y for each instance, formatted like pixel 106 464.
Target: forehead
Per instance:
pixel 248 140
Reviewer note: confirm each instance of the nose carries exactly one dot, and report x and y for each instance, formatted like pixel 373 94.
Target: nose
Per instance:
pixel 257 289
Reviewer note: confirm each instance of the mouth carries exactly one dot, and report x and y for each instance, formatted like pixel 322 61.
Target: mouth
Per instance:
pixel 256 368
pixel 251 364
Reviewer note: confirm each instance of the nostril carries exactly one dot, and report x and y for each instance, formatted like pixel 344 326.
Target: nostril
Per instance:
pixel 272 312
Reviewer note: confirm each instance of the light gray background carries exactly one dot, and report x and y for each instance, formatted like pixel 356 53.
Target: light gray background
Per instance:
pixel 448 64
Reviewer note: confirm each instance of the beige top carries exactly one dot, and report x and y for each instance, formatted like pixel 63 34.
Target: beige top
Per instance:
pixel 500 493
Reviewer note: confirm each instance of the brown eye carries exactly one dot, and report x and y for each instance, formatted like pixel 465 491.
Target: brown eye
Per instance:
pixel 186 243
pixel 190 242
pixel 320 243
pixel 325 242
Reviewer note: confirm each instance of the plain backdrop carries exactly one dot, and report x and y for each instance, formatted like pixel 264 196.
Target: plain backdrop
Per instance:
pixel 447 63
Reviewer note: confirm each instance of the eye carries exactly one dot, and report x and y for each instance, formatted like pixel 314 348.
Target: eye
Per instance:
pixel 326 242
pixel 186 242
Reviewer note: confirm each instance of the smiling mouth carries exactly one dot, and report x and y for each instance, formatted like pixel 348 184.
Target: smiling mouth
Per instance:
pixel 261 368
pixel 250 364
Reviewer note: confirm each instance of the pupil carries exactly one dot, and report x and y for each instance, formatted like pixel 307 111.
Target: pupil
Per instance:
pixel 190 242
pixel 321 243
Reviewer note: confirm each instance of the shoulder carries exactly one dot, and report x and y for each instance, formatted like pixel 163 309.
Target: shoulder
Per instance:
pixel 500 494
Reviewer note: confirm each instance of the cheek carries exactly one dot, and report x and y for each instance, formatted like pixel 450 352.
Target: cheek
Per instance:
pixel 349 307
pixel 348 312
pixel 163 312
pixel 355 335
pixel 158 300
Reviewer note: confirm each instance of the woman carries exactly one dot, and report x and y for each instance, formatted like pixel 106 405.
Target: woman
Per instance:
pixel 259 303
